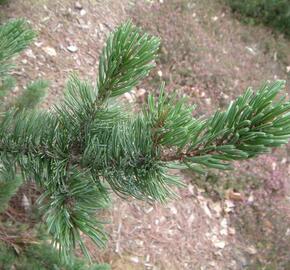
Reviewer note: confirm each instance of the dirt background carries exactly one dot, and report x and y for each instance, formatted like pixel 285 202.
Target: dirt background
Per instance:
pixel 235 220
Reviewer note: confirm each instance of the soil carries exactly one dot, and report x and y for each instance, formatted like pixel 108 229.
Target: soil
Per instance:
pixel 220 221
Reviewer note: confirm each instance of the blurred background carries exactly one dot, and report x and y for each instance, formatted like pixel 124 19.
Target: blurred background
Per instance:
pixel 211 51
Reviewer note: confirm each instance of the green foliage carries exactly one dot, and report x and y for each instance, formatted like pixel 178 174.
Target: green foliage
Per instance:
pixel 41 257
pixel 15 36
pixel 9 184
pixel 32 95
pixel 7 83
pixel 2 2
pixel 71 211
pixel 275 13
pixel 125 60
pixel 250 126
pixel 87 146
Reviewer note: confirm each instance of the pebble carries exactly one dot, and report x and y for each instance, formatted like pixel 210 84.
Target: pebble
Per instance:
pixel 208 101
pixel 38 44
pixel 30 53
pixel 78 5
pixel 232 231
pixel 72 48
pixel 50 51
pixel 83 12
pixel 219 244
pixel 251 50
pixel 134 259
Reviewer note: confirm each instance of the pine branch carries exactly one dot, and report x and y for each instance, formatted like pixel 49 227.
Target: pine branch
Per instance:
pixel 9 184
pixel 6 84
pixel 15 36
pixel 126 59
pixel 250 126
pixel 87 146
pixel 32 95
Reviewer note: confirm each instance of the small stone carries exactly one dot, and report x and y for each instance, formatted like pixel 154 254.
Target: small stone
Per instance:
pixel 147 211
pixel 224 223
pixel 72 48
pixel 219 244
pixel 288 69
pixel 83 12
pixel 78 5
pixel 231 231
pixel 24 61
pixel 134 259
pixel 102 28
pixel 225 96
pixel 191 189
pixel 173 209
pixel 215 18
pixel 147 258
pixel 30 54
pixel 202 94
pixel 38 44
pixel 159 72
pixel 251 198
pixel 251 50
pixel 50 51
pixel 208 101
pixel 284 161
pixel 191 219
pixel 223 232
pixel 162 219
